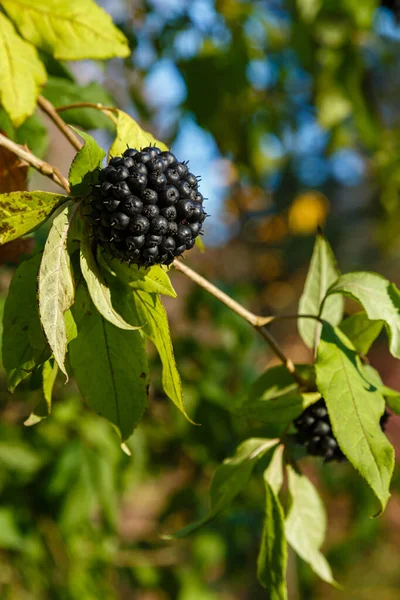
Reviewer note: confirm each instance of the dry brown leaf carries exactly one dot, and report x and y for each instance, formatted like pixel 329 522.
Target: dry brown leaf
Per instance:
pixel 13 172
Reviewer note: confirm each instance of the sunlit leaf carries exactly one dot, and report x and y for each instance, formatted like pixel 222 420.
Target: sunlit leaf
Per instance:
pixel 322 273
pixel 21 212
pixel 98 289
pixel 153 279
pixel 21 73
pixel 361 331
pixel 56 286
pixel 86 161
pixel 130 134
pixel 355 408
pixel 68 29
pixel 379 297
pixel 306 524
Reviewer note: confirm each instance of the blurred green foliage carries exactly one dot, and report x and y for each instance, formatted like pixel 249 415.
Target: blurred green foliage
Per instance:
pixel 301 101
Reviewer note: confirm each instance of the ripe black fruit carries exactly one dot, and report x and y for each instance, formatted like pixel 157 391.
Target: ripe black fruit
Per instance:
pixel 146 208
pixel 314 432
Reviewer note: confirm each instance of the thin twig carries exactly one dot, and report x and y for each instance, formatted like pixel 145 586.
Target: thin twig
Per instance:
pixel 248 316
pixel 256 321
pixel 107 110
pixel 40 165
pixel 49 109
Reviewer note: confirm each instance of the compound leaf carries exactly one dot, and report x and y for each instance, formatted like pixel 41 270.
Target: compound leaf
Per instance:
pixel 306 524
pixel 129 133
pixel 21 212
pixel 355 407
pixel 68 29
pixel 21 73
pixel 322 273
pixel 56 285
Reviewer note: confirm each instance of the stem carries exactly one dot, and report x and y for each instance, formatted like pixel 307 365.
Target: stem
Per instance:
pixel 256 321
pixel 40 165
pixel 49 109
pixel 248 316
pixel 107 110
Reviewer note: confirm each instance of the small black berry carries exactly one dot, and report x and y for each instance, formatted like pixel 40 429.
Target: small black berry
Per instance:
pixel 149 196
pixel 139 224
pixel 159 225
pixel 150 211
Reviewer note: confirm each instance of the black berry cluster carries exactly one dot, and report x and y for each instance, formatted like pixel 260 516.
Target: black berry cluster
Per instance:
pixel 314 432
pixel 147 208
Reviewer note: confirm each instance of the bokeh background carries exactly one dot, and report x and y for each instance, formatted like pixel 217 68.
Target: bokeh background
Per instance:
pixel 289 110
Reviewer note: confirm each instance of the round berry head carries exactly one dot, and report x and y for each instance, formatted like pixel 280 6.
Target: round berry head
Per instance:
pixel 111 204
pixel 130 152
pixel 184 234
pixel 180 168
pixel 149 196
pixel 192 180
pixel 169 212
pixel 132 206
pixel 153 240
pixel 150 211
pixel 167 157
pixel 137 182
pixel 120 220
pixel 169 196
pixel 185 209
pixel 157 180
pixel 139 224
pixel 172 176
pixel 135 241
pixel 155 164
pixel 159 225
pixel 168 244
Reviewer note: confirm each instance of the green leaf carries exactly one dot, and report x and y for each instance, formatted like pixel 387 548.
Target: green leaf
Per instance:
pixel 355 408
pixel 61 92
pixel 68 29
pixel 379 297
pixel 229 479
pixel 24 345
pixel 49 374
pixel 272 558
pixel 274 472
pixel 113 382
pixel 129 133
pixel 152 280
pixel 275 396
pixel 306 524
pixel 56 285
pixel 392 396
pixel 21 212
pixel 86 161
pixel 10 535
pixel 150 310
pixel 21 73
pixel 99 291
pixel 322 273
pixel 361 331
